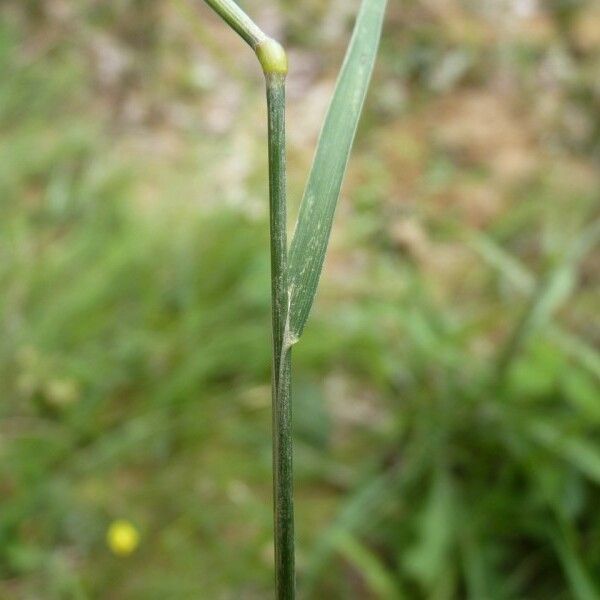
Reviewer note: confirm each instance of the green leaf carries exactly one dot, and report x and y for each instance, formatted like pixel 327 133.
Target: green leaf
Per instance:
pixel 582 392
pixel 582 585
pixel 377 577
pixel 576 449
pixel 428 560
pixel 524 282
pixel 479 580
pixel 356 515
pixel 550 294
pixel 309 244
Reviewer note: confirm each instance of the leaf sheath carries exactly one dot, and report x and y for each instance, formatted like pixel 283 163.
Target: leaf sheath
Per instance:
pixel 283 485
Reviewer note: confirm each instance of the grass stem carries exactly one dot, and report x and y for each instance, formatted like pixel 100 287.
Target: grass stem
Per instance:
pixel 273 60
pixel 281 379
pixel 238 20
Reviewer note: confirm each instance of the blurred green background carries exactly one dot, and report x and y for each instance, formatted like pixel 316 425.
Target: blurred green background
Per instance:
pixel 447 389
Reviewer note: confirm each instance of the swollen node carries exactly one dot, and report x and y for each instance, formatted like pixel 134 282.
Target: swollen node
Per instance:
pixel 272 57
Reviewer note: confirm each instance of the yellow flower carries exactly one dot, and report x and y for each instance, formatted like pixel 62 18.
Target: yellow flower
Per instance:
pixel 122 537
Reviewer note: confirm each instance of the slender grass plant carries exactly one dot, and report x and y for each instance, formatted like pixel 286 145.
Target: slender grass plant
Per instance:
pixel 295 272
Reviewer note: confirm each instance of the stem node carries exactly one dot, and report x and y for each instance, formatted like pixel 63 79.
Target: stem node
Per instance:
pixel 272 57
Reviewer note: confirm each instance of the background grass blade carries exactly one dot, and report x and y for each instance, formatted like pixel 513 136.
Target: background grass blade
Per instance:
pixel 577 450
pixel 309 243
pixel 377 576
pixel 551 292
pixel 523 282
pixel 582 585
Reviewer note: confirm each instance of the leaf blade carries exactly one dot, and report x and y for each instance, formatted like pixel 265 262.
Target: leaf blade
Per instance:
pixel 309 244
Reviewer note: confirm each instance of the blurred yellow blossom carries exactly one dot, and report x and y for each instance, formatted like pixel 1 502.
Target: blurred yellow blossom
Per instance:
pixel 122 537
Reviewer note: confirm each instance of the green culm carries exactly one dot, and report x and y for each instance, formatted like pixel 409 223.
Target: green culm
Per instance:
pixel 295 271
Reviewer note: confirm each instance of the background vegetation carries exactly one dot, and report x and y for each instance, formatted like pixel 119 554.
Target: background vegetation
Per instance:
pixel 447 398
